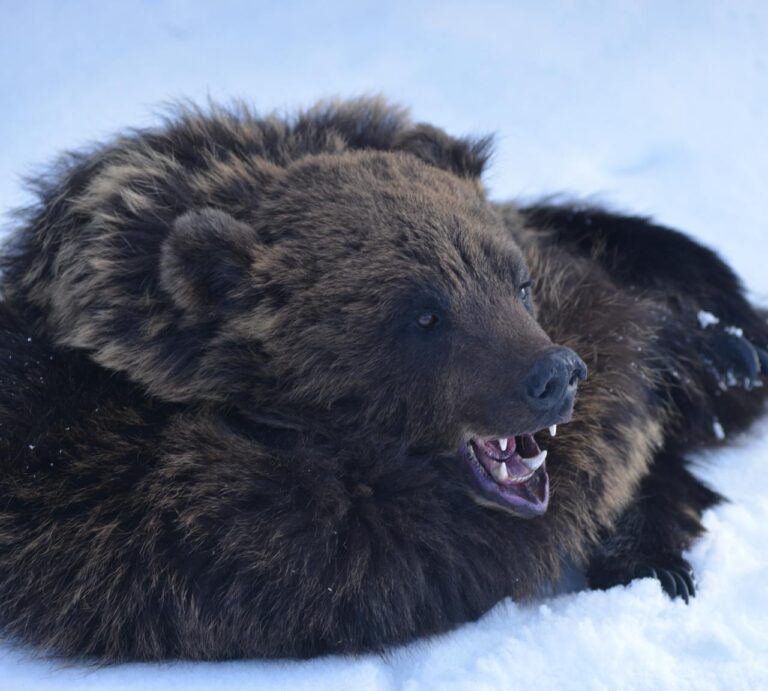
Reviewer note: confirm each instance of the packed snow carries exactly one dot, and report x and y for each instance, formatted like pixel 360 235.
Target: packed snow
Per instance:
pixel 734 331
pixel 707 319
pixel 655 107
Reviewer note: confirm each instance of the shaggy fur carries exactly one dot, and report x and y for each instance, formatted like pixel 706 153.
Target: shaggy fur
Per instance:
pixel 222 438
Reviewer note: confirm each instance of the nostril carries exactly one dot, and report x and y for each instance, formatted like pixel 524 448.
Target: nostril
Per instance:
pixel 553 377
pixel 541 382
pixel 550 389
pixel 579 370
pixel 546 385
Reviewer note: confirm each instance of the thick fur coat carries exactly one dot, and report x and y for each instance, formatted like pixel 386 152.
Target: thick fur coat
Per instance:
pixel 222 435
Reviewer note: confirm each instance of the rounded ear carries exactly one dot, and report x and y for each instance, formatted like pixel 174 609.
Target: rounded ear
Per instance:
pixel 465 157
pixel 204 258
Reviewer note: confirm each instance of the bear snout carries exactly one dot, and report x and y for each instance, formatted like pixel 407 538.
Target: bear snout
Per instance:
pixel 550 386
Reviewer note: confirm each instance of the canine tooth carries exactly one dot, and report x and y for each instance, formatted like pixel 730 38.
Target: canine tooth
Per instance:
pixel 500 472
pixel 535 462
pixel 503 444
pixel 552 430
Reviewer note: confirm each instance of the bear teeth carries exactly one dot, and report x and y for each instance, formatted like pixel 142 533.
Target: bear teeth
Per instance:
pixel 500 472
pixel 535 462
pixel 503 444
pixel 552 430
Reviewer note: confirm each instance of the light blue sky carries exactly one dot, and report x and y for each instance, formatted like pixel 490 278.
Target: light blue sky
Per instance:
pixel 657 107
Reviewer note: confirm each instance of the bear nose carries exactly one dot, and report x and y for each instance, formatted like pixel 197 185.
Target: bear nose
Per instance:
pixel 551 384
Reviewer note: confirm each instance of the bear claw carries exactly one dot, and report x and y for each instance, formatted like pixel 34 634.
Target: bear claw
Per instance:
pixel 762 356
pixel 676 581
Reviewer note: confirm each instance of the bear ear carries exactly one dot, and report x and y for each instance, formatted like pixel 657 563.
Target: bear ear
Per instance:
pixel 465 157
pixel 204 258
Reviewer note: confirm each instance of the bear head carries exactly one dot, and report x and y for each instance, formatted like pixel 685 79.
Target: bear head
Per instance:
pixel 374 295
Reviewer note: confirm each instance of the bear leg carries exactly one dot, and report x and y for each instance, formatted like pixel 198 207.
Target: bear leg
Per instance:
pixel 651 535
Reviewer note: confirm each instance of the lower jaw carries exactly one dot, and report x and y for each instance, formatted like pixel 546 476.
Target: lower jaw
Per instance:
pixel 528 499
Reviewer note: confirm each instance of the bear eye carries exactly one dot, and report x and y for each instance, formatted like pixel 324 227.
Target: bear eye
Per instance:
pixel 428 320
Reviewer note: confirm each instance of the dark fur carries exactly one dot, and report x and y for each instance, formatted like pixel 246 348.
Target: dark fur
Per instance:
pixel 215 444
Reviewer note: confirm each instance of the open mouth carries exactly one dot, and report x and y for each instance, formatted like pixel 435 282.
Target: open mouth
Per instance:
pixel 511 472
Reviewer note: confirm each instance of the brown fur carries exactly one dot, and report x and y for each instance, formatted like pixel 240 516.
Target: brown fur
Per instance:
pixel 223 440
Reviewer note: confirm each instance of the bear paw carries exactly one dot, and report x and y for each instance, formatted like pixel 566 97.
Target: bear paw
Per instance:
pixel 673 573
pixel 676 581
pixel 732 359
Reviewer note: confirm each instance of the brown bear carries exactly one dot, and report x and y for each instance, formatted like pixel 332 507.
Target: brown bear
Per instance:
pixel 281 387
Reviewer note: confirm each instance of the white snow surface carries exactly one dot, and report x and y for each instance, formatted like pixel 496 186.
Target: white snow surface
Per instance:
pixel 652 107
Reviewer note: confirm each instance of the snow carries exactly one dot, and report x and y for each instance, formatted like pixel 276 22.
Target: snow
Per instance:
pixel 707 319
pixel 653 107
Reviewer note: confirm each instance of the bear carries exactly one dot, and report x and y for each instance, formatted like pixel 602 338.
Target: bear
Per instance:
pixel 293 386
